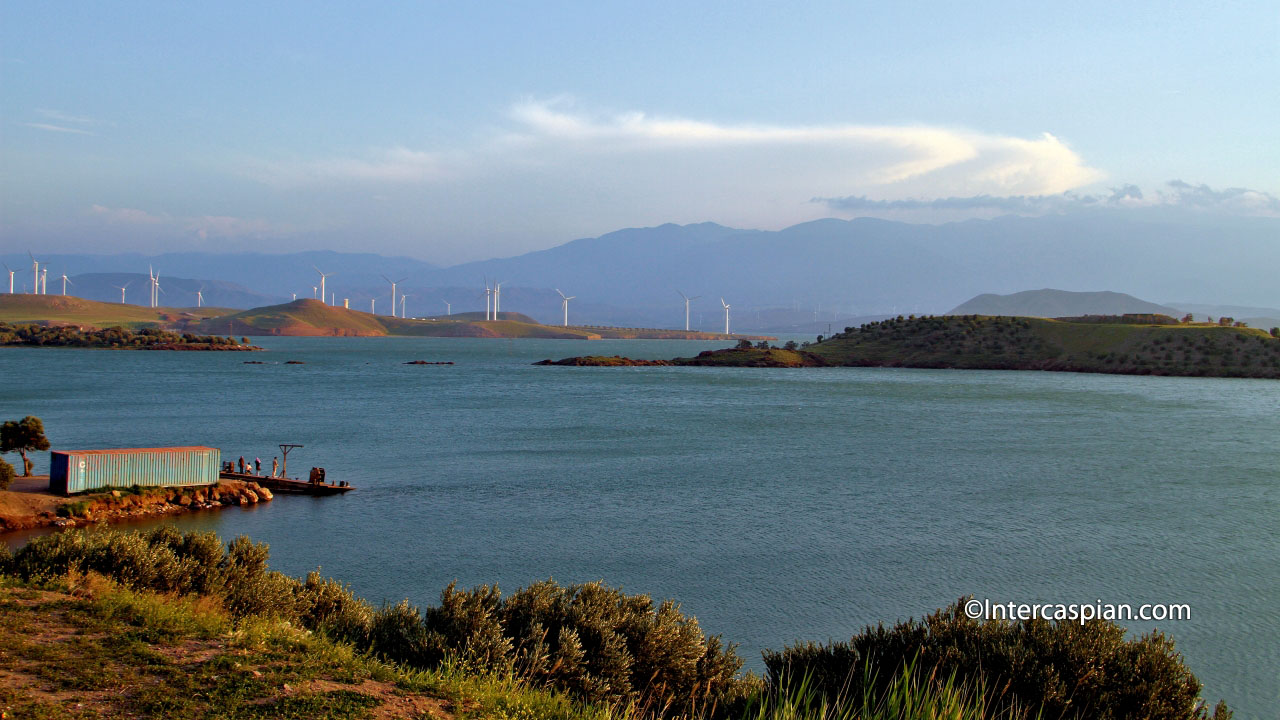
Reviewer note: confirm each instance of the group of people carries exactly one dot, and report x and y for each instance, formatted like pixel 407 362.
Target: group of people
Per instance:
pixel 244 467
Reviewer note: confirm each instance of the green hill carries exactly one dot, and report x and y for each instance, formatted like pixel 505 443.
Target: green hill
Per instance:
pixel 1134 345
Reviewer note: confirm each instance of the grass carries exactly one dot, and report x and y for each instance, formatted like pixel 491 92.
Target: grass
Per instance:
pixel 83 647
pixel 15 309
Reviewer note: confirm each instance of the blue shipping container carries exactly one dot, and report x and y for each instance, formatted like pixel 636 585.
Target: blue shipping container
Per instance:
pixel 75 471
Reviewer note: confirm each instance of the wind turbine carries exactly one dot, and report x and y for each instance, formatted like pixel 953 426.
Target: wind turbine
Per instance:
pixel 35 271
pixel 372 302
pixel 564 303
pixel 295 296
pixel 64 284
pixel 686 308
pixel 726 315
pixel 402 297
pixel 157 292
pixel 497 295
pixel 314 289
pixel 6 267
pixel 488 294
pixel 44 280
pixel 393 292
pixel 322 277
pixel 151 273
pixel 448 306
pixel 121 289
pixel 200 297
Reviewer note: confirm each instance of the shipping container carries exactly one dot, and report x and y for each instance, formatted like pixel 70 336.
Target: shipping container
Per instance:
pixel 75 471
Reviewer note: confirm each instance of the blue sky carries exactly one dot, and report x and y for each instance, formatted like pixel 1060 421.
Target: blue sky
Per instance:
pixel 456 131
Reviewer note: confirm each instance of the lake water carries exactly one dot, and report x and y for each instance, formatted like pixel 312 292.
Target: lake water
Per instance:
pixel 776 505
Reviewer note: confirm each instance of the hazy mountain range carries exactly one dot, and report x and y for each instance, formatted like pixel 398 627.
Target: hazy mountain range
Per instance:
pixel 803 277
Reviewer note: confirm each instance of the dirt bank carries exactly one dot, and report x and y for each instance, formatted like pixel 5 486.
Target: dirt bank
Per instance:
pixel 28 503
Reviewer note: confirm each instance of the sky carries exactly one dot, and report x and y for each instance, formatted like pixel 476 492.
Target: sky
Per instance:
pixel 460 131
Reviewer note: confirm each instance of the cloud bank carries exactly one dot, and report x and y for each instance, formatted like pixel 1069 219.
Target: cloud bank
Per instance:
pixel 1174 193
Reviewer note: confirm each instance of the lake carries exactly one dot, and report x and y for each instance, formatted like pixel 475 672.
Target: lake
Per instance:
pixel 775 505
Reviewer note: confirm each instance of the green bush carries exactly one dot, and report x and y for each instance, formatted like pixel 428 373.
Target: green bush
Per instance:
pixel 7 474
pixel 1069 670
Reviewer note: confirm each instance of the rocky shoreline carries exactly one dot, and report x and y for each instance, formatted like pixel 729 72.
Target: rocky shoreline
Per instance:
pixel 28 508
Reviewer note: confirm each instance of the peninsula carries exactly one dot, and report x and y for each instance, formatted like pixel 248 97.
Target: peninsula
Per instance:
pixel 1124 344
pixel 304 317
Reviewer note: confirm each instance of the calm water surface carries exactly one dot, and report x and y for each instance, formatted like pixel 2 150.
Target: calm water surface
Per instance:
pixel 776 505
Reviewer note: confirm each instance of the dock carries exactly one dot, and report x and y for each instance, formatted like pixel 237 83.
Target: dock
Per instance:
pixel 289 486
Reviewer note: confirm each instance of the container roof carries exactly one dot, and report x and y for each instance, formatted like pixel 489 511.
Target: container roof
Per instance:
pixel 113 451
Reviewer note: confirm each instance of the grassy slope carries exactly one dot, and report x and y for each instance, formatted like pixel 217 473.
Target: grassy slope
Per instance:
pixel 1042 344
pixel 68 310
pixel 86 648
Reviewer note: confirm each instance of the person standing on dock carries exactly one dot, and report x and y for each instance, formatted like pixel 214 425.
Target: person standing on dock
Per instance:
pixel 257 466
pixel 275 467
pixel 241 464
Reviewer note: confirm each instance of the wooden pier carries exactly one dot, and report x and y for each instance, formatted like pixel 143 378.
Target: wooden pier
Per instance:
pixel 289 486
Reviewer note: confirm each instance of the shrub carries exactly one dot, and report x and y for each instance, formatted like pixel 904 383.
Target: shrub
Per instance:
pixel 1067 669
pixel 7 473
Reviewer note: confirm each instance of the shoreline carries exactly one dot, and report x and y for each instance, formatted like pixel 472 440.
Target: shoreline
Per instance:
pixel 28 505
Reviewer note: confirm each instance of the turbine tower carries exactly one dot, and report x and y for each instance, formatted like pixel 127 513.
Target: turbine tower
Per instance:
pixel 686 308
pixel 372 301
pixel 6 267
pixel 121 289
pixel 448 306
pixel 726 315
pixel 44 280
pixel 488 295
pixel 323 275
pixel 402 297
pixel 497 295
pixel 64 284
pixel 155 283
pixel 200 297
pixel 393 292
pixel 314 290
pixel 564 304
pixel 35 271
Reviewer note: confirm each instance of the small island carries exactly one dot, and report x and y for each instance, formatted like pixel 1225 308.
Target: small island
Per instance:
pixel 119 338
pixel 1116 344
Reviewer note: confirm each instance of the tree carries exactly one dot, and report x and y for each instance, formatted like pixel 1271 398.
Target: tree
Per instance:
pixel 1275 332
pixel 6 474
pixel 744 344
pixel 23 436
pixel 791 344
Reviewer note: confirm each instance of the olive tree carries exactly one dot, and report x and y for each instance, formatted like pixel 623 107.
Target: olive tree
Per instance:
pixel 23 436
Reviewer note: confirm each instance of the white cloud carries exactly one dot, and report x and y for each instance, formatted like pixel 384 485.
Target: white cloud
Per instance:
pixel 57 128
pixel 203 226
pixel 59 116
pixel 390 165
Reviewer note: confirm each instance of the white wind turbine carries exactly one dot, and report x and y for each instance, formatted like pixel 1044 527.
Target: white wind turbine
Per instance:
pixel 497 295
pixel 155 282
pixel 564 304
pixel 393 292
pixel 448 306
pixel 314 290
pixel 323 275
pixel 6 267
pixel 65 281
pixel 726 315
pixel 44 279
pixel 35 271
pixel 156 303
pixel 402 297
pixel 686 308
pixel 295 296
pixel 200 297
pixel 121 289
pixel 488 295
pixel 372 301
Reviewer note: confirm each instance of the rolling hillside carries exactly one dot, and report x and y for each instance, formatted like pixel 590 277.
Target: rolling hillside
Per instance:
pixel 67 310
pixel 1146 345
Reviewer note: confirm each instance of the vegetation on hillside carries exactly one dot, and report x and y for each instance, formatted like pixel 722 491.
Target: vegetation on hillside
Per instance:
pixel 260 644
pixel 1129 344
pixel 113 337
